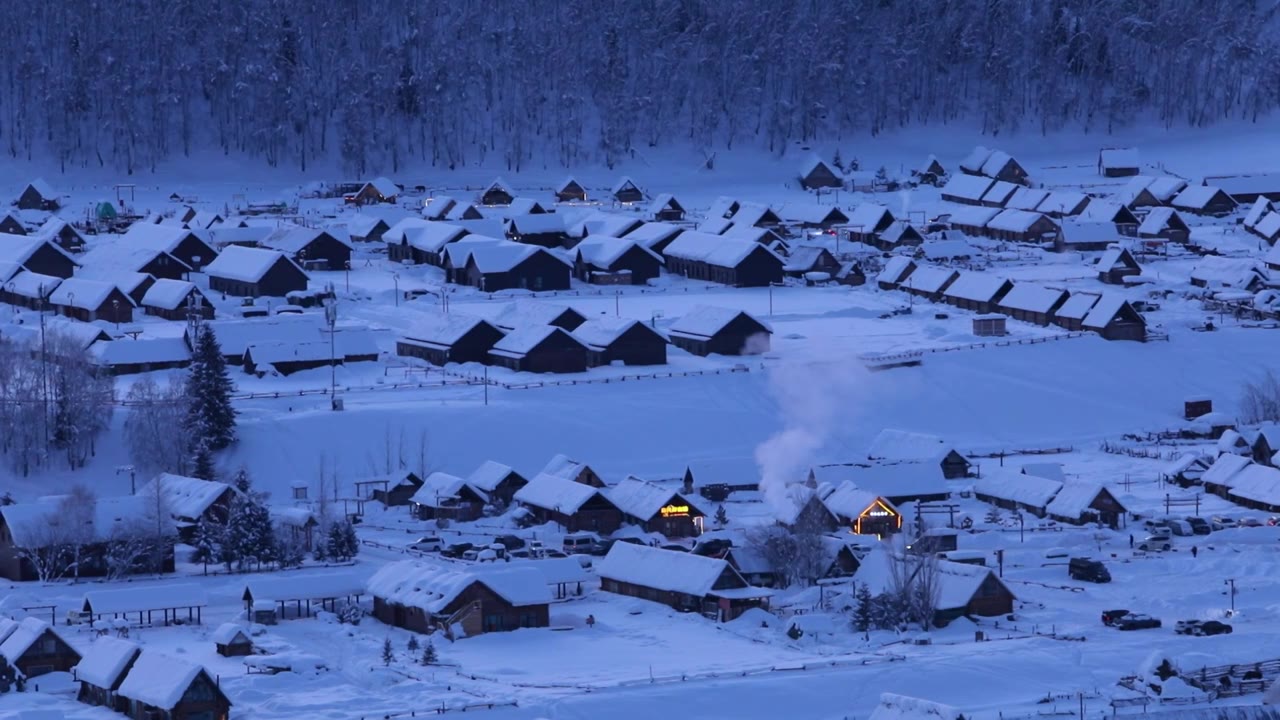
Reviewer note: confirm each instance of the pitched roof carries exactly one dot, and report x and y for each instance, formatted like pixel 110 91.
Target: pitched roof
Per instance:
pixel 972 216
pixel 1014 221
pixel 947 249
pixel 185 497
pixel 974 161
pixel 489 475
pixel 525 313
pixel 929 279
pixel 433 587
pixel 652 233
pixel 18 249
pixel 1107 307
pixel 1119 158
pixel 600 333
pixel 384 186
pixel 888 480
pixel 869 216
pixel 1025 198
pixel 23 637
pixel 105 660
pixel 1224 469
pixel 537 224
pixel 32 285
pixel 229 633
pixel 663 569
pixel 555 493
pixel 140 351
pixel 1115 257
pixel 663 202
pixel 890 444
pixel 245 264
pixel 1005 484
pixel 848 501
pixel 1157 220
pixel 999 192
pixel 602 252
pixel 1269 227
pixel 439 487
pixel 1032 298
pixel 168 294
pixel 812 213
pixel 111 258
pixel 1239 273
pixel 1063 202
pixel 714 249
pixel 522 341
pixel 1197 196
pixel 294 240
pixel 1077 306
pixel 707 320
pixel 996 162
pixel 502 257
pixel 976 286
pixel 442 330
pixel 159 680
pixel 640 498
pixel 894 269
pixel 1074 498
pixel 154 237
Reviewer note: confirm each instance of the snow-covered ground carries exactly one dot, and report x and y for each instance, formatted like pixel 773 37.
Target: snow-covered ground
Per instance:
pixel 640 660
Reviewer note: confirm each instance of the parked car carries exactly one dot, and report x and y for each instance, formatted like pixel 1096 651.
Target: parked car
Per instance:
pixel 580 542
pixel 1156 543
pixel 713 548
pixel 1186 627
pixel 521 554
pixel 1181 528
pixel 553 553
pixel 1134 621
pixel 1222 522
pixel 1250 521
pixel 1156 525
pixel 1088 570
pixel 456 550
pixel 472 554
pixel 1109 617
pixel 1200 526
pixel 1201 627
pixel 510 542
pixel 427 543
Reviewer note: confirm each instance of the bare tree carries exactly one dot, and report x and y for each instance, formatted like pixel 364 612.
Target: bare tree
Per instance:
pixel 1260 399
pixel 46 545
pixel 130 548
pixel 154 426
pixel 78 512
pixel 914 586
pixel 80 400
pixel 797 558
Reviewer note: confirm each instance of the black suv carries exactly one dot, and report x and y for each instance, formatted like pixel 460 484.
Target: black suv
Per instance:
pixel 1088 570
pixel 1137 622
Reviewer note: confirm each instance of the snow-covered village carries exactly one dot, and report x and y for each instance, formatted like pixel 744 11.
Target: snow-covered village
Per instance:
pixel 946 416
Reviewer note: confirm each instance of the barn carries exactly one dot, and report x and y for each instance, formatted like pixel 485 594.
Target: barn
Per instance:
pixel 165 687
pixel 706 330
pixel 626 191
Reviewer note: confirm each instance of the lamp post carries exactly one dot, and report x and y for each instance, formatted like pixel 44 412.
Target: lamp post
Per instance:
pixel 347 274
pixel 395 278
pixel 331 318
pixel 1231 583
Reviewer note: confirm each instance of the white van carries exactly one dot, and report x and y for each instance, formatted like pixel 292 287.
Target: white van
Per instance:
pixel 1181 528
pixel 580 542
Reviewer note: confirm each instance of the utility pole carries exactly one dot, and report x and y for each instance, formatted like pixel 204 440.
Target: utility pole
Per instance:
pixel 617 299
pixel 1231 583
pixel 395 278
pixel 44 373
pixel 486 385
pixel 331 318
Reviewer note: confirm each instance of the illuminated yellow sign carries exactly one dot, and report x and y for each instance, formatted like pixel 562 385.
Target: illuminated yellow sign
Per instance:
pixel 675 511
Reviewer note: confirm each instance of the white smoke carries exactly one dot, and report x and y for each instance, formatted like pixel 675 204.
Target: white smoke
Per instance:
pixel 815 399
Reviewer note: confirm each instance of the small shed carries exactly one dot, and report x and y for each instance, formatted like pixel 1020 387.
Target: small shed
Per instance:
pixel 665 208
pixel 816 174
pixel 497 193
pixel 1118 162
pixel 626 191
pixel 1116 264
pixel 570 190
pixel 706 330
pixel 989 326
pixel 231 640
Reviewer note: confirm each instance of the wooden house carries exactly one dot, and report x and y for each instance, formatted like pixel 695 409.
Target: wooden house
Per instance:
pixel 1118 162
pixel 656 508
pixel 447 497
pixel 39 195
pixel 418 242
pixel 497 193
pixel 972 221
pixel 1070 316
pixel 816 174
pixel 528 313
pixel 1032 303
pixel 655 235
pixel 895 272
pixel 89 300
pixel 460 601
pixel 1256 487
pixel 1085 502
pixel 1248 188
pixel 867 221
pixel 10 225
pixel 231 640
pixel 127 356
pixel 107 259
pixel 665 208
pixel 1215 272
pixel 811 259
pixel 190 500
pixel 1116 264
pixel 977 291
pixel 1062 203
pixel 1164 223
pixel 506 265
pixel 1011 490
pixel 571 190
pixel 812 216
pixel 615 261
pixel 255 272
pixel 1025 198
pixel 29 290
pixel 377 190
pixel 1086 236
pixel 706 330
pixel 750 214
pixel 973 162
pixel 35 648
pixel 188 246
pixel 286 357
pixel 995 164
pixel 165 687
pixel 1204 200
pixel 966 189
pixel 546 230
pixel 626 191
pixel 102 669
pixel 365 228
pixel 682 581
pixel 851 274
pixel 999 194
pixel 499 481
pixel 860 511
pixel 1114 318
pixel 540 349
pixel 311 248
pixel 453 338
pixel 621 340
pixel 1022 226
pixel 731 261
pixel 36 254
pixel 1110 211
pixel 24 530
pixel 929 282
pixel 392 490
pixel 930 172
pixel 176 300
pixel 1265 445
pixel 900 233
pixel 575 506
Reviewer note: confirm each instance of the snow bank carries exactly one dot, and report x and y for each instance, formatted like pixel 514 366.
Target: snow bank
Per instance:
pixel 902 707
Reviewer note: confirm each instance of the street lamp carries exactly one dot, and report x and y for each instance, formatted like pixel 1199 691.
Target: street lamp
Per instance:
pixel 1231 583
pixel 331 318
pixel 347 274
pixel 395 278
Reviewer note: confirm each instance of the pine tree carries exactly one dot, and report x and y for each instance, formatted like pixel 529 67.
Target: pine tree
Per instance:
pixel 289 551
pixel 242 482
pixel 429 656
pixel 722 517
pixel 388 652
pixel 202 461
pixel 211 417
pixel 350 542
pixel 337 542
pixel 413 644
pixel 205 542
pixel 863 612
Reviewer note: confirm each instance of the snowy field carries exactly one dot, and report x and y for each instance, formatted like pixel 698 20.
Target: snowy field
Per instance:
pixel 808 401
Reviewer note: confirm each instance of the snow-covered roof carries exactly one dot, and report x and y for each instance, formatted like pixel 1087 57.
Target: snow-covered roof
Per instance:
pixel 1025 198
pixel 521 341
pixel 154 237
pixel 127 281
pixel 1258 483
pixel 1257 210
pixel 298 516
pixel 1077 306
pixel 1224 469
pixel 641 498
pixel 160 597
pixel 663 202
pixel 848 501
pixel 1113 257
pixel 1157 220
pixel 235 336
pixel 957 582
pixel 803 258
pixel 603 251
pixel 168 294
pixel 42 186
pixel 1063 202
pixel 976 286
pixel 869 216
pixel 22 637
pixel 1239 273
pixel 82 293
pixel 723 206
pixel 947 249
pixel 185 497
pixel 896 231
pixel 1014 221
pixel 1032 298
pixel 894 269
pixel 974 161
pixel 433 587
pixel 752 213
pixel 322 585
pixel 1005 484
pixel 527 313
pixel 669 570
pixel 396 232
pixel 117 257
pixel 889 480
pixel 903 707
pixel 1046 470
pixel 351 342
pixel 502 257
pixel 82 334
pixel 972 215
pixel 1101 211
pixel 715 225
pixel 31 285
pixel 360 225
pixel 563 466
pixel 140 351
pixel 1107 307
pixel 623 183
pixel 999 193
pixel 1165 188
pixel 384 186
pixel 230 633
pixel 442 330
pixel 32 524
pixel 489 475
pixel 604 223
pixel 294 240
pixel 811 213
pixel 245 264
pixel 1196 196
pixel 1269 227
pixel 996 162
pixel 652 233
pixel 558 570
pixel 439 488
pixel 457 253
pixel 929 279
pixel 812 162
pixel 159 680
pixel 967 187
pixel 539 224
pixel 704 321
pixel 1119 158
pixel 1074 498
pixel 555 493
pixel 714 249
pixel 105 660
pixel 224 235
pixel 567 183
pixel 600 333
pixel 902 445
pixel 18 249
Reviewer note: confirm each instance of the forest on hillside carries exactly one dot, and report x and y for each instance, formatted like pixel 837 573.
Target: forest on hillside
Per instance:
pixel 382 84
